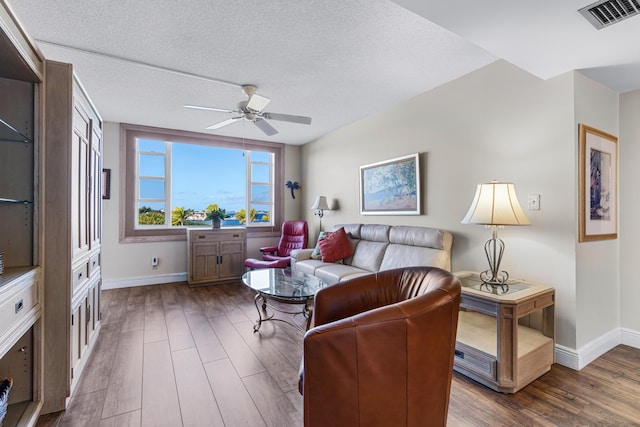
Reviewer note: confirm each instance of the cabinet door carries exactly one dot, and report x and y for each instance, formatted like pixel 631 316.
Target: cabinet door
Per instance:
pixel 95 187
pixel 232 259
pixel 79 182
pixel 204 259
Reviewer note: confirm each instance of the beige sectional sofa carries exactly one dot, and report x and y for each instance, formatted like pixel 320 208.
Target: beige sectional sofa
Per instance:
pixel 378 247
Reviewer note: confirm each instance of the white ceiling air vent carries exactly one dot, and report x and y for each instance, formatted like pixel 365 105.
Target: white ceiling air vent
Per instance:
pixel 604 13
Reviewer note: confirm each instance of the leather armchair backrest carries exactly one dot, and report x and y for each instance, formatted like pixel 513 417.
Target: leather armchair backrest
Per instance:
pixel 294 236
pixel 382 354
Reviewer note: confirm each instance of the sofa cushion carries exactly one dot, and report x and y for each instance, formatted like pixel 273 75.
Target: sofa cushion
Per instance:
pixel 335 246
pixel 398 256
pixel 416 236
pixel 334 273
pixel 368 255
pixel 309 266
pixel 375 232
pixel 316 251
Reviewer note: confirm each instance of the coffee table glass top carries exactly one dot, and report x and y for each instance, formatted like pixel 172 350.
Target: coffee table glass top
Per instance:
pixel 283 283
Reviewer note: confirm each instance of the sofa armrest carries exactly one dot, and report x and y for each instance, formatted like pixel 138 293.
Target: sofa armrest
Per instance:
pixel 301 254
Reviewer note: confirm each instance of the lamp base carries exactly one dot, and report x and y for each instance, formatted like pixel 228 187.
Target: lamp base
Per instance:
pixel 494 249
pixel 494 281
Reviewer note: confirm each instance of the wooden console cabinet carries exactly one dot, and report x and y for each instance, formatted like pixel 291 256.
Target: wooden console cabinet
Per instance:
pixel 215 255
pixel 505 336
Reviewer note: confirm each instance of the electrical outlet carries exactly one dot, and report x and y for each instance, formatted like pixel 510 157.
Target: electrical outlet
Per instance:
pixel 154 261
pixel 533 202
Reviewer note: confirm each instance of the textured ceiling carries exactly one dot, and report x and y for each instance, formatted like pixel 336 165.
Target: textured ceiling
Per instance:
pixel 336 61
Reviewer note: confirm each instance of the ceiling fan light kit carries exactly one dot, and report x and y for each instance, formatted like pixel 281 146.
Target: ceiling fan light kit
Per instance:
pixel 252 110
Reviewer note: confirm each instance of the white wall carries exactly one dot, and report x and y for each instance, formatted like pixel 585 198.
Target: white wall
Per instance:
pixel 597 263
pixel 629 153
pixel 128 264
pixel 496 123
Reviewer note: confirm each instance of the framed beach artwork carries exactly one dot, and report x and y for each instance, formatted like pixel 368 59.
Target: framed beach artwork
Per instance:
pixel 598 185
pixel 391 187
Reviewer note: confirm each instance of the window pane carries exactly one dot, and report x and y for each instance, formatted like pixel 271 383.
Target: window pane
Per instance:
pixel 262 214
pixel 260 173
pixel 151 165
pixel 151 146
pixel 152 189
pixel 204 175
pixel 151 213
pixel 260 193
pixel 260 156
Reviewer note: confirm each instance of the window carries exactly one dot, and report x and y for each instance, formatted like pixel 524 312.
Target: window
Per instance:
pixel 174 179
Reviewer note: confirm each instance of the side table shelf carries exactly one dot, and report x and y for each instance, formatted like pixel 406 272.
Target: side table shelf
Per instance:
pixel 505 335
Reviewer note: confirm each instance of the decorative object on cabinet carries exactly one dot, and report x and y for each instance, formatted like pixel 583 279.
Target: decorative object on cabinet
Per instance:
pixel 495 204
pixel 505 339
pixel 215 255
pixel 5 388
pixel 293 186
pixel 391 187
pixel 598 185
pixel 106 183
pixel 319 206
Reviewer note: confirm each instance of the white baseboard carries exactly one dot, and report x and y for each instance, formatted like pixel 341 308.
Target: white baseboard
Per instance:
pixel 630 338
pixel 578 359
pixel 143 281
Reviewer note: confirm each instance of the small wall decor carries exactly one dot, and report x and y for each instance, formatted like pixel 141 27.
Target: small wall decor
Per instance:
pixel 598 185
pixel 106 183
pixel 391 187
pixel 293 186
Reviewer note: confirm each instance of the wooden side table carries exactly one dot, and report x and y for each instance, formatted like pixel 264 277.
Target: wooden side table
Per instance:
pixel 505 334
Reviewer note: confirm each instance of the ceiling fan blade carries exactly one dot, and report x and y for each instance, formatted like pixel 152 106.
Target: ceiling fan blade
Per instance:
pixel 224 123
pixel 265 127
pixel 288 118
pixel 257 103
pixel 198 107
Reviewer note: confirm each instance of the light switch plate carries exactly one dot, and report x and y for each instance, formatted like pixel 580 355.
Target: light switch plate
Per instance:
pixel 533 203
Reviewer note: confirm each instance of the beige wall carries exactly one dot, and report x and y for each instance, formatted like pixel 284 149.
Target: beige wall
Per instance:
pixel 597 263
pixel 629 152
pixel 496 123
pixel 129 264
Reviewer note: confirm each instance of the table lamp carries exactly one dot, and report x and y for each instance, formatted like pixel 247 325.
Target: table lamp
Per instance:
pixel 495 204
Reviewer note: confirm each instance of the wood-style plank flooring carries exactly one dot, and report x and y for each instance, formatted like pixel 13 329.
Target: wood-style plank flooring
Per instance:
pixel 171 355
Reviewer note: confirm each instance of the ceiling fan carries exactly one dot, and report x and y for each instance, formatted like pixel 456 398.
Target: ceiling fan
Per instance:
pixel 252 110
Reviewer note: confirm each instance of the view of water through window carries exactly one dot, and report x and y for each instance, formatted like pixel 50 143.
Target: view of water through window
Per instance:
pixel 195 184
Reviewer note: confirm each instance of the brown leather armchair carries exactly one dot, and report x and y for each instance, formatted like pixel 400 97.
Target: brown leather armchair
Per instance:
pixel 380 350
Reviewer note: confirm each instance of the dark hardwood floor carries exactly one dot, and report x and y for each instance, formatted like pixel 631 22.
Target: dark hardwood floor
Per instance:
pixel 171 355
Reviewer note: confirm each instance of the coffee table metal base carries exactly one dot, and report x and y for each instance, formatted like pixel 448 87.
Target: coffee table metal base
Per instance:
pixel 260 301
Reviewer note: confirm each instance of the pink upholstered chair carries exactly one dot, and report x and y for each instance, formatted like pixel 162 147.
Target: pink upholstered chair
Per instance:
pixel 294 236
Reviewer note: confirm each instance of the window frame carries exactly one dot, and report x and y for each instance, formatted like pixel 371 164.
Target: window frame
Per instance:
pixel 128 233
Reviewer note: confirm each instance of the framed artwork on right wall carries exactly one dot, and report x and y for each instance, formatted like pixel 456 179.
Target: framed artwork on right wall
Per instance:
pixel 598 185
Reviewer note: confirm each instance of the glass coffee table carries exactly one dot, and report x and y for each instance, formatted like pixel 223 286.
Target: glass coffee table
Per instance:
pixel 285 286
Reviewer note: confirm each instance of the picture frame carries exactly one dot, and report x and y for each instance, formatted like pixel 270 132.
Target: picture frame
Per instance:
pixel 391 187
pixel 598 185
pixel 106 183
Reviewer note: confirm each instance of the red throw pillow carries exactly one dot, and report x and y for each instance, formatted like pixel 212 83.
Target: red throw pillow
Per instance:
pixel 335 246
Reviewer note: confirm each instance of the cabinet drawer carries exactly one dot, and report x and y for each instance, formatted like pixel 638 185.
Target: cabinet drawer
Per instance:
pixel 94 264
pixel 80 275
pixel 14 307
pixel 474 361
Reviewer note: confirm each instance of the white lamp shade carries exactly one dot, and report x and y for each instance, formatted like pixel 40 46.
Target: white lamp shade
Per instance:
pixel 321 204
pixel 495 203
